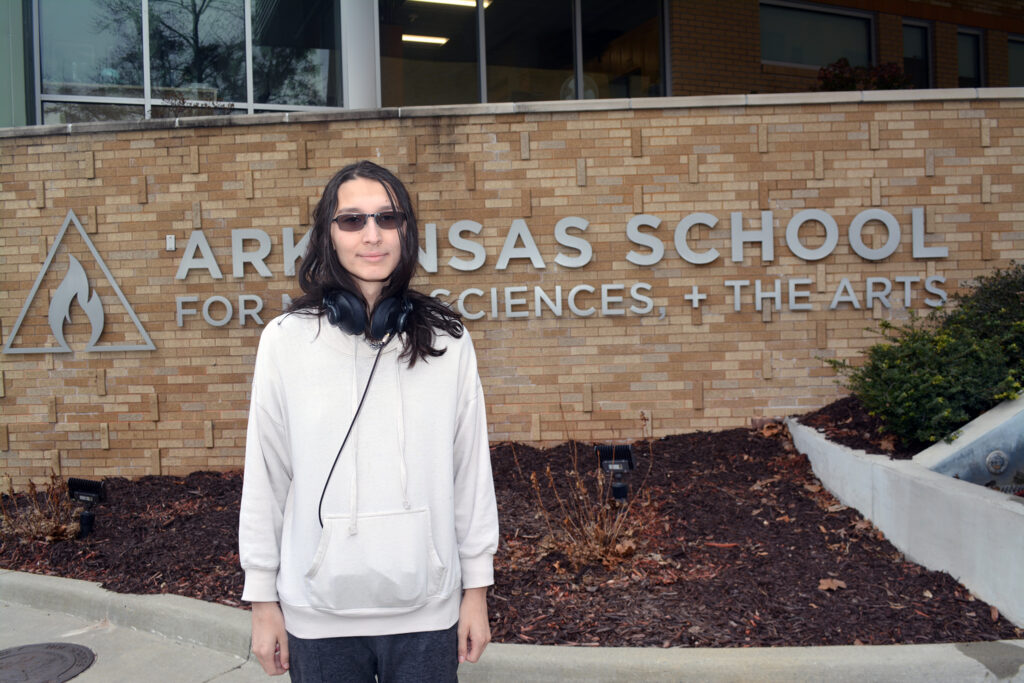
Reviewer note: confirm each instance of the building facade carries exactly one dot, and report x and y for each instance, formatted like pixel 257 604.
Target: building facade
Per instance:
pixel 67 61
pixel 649 222
pixel 653 266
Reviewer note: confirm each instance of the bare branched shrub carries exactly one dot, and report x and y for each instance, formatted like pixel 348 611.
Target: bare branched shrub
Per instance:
pixel 586 523
pixel 47 515
pixel 178 106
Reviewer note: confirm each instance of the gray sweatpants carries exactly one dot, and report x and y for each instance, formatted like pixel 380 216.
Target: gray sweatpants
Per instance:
pixel 427 657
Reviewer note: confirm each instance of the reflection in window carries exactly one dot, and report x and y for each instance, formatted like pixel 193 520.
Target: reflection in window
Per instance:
pixel 529 51
pixel 915 55
pixel 296 56
pixel 803 36
pixel 621 48
pixel 91 47
pixel 191 108
pixel 968 59
pixel 428 53
pixel 197 49
pixel 1015 53
pixel 77 112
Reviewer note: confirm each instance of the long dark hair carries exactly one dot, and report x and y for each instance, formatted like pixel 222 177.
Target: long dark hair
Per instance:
pixel 321 273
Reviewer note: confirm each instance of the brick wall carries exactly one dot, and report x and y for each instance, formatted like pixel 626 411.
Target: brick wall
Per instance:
pixel 889 38
pixel 182 406
pixel 945 55
pixel 996 51
pixel 716 45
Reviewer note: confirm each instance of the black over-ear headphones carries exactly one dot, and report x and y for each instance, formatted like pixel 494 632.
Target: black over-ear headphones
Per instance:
pixel 345 310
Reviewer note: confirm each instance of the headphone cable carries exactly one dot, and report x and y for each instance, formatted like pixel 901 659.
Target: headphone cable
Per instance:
pixel 351 424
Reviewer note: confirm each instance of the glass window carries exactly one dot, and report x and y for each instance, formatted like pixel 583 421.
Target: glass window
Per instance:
pixel 295 55
pixel 197 50
pixel 529 51
pixel 78 112
pixel 188 108
pixel 428 53
pixel 91 47
pixel 792 35
pixel 1015 52
pixel 916 64
pixel 621 48
pixel 968 59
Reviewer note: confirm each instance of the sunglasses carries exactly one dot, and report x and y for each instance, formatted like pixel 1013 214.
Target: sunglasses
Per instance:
pixel 385 220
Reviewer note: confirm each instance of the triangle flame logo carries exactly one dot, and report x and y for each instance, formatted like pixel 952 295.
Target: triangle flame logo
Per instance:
pixel 75 287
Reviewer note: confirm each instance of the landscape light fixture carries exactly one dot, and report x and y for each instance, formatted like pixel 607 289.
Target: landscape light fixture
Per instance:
pixel 88 492
pixel 617 461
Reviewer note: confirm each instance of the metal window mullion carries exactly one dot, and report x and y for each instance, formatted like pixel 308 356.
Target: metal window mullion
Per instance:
pixel 930 56
pixel 376 52
pixel 481 51
pixel 95 99
pixel 577 47
pixel 874 42
pixel 345 66
pixel 37 61
pixel 666 50
pixel 147 82
pixel 248 57
pixel 293 107
pixel 819 9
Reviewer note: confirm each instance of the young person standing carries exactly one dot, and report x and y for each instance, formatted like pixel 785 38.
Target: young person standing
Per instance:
pixel 368 522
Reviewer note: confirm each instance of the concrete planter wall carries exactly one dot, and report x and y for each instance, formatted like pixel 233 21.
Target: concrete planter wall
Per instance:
pixel 973 533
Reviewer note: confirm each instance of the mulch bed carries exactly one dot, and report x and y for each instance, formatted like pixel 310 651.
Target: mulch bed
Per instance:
pixel 847 422
pixel 729 541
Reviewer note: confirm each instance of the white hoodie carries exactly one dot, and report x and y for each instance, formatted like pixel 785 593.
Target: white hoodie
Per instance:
pixel 409 512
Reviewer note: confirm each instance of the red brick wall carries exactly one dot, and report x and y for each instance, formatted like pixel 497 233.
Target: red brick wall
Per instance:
pixel 715 46
pixel 946 71
pixel 997 58
pixel 889 38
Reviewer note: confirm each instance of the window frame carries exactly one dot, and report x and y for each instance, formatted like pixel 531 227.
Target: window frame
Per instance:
pixel 148 101
pixel 821 9
pixel 1013 38
pixel 980 34
pixel 929 34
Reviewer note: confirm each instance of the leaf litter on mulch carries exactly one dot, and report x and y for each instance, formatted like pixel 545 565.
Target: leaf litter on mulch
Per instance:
pixel 730 542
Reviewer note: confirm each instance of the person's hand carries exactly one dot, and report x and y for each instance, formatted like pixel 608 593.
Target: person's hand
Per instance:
pixel 269 639
pixel 474 630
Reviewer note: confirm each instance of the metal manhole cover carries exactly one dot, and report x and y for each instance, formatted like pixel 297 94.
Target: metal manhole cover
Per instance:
pixel 44 663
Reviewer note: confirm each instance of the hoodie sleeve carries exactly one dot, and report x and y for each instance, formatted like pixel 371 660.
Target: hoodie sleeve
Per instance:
pixel 476 511
pixel 266 481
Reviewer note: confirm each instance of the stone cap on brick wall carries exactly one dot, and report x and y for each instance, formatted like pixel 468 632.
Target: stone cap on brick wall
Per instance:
pixel 558 106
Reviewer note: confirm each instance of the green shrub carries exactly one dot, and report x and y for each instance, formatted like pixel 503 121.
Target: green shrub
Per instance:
pixel 932 376
pixel 994 309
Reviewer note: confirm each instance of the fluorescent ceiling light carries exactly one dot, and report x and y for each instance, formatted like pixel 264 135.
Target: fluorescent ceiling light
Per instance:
pixel 457 3
pixel 432 40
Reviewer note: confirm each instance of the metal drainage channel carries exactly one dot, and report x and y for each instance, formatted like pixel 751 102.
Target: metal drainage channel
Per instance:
pixel 56 662
pixel 998 462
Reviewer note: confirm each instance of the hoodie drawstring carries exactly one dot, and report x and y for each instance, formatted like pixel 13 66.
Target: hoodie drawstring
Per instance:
pixel 402 468
pixel 353 486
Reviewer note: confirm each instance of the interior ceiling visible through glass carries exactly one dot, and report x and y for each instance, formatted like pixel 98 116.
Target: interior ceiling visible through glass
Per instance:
pixel 296 59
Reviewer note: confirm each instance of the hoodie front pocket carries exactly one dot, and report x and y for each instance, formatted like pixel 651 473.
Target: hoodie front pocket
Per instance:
pixel 388 562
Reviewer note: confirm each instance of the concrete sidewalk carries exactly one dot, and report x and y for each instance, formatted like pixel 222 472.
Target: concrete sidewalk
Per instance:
pixel 171 638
